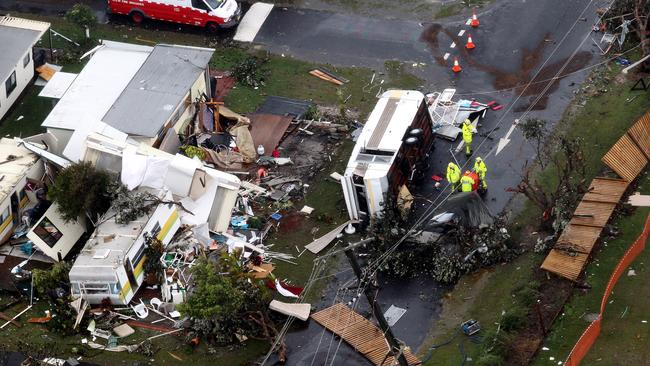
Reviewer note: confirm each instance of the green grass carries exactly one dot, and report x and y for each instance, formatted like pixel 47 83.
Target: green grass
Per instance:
pixel 623 339
pixel 600 122
pixel 27 114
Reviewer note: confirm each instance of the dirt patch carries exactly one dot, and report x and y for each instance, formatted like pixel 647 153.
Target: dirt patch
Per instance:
pixel 538 90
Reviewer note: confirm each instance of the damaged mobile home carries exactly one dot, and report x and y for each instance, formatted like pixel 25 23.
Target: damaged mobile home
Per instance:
pixel 144 92
pixel 111 262
pixel 390 151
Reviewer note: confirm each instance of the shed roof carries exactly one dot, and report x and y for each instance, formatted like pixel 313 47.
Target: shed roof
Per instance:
pixel 98 85
pixel 158 87
pixel 12 170
pixel 17 36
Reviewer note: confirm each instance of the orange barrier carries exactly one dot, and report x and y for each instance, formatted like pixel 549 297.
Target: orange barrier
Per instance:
pixel 588 338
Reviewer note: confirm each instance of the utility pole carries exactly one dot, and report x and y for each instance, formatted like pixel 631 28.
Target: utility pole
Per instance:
pixel 395 347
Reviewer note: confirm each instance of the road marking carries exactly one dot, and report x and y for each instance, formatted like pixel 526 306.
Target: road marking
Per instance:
pixel 469 21
pixel 506 139
pixel 252 22
pixel 452 45
pixel 446 56
pixel 460 34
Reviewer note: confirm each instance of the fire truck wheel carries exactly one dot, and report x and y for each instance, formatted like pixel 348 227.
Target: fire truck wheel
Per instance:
pixel 136 17
pixel 212 28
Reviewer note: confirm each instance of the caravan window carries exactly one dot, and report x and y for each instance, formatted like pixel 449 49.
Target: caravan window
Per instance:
pixel 76 290
pixel 138 256
pixel 155 230
pixel 6 214
pixel 28 57
pixel 116 288
pixel 48 232
pixel 91 288
pixel 10 83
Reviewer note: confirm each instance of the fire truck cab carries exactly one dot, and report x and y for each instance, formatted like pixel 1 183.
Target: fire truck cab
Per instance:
pixel 211 14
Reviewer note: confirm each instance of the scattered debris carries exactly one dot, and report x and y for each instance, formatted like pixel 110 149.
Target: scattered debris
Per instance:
pixel 300 311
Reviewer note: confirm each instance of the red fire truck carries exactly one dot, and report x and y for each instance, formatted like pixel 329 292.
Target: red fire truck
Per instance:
pixel 211 14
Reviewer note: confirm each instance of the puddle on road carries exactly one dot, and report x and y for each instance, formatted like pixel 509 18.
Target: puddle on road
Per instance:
pixel 531 59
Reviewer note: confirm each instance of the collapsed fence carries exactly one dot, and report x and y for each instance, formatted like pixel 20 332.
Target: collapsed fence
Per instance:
pixel 588 338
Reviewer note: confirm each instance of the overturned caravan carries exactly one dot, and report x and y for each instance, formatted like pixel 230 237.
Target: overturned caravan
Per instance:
pixel 392 149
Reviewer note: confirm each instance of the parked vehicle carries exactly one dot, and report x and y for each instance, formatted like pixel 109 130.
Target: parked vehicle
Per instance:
pixel 211 14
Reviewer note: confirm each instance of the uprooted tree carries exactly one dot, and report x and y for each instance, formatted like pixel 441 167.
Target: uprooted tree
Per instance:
pixel 81 189
pixel 557 189
pixel 443 251
pixel 226 304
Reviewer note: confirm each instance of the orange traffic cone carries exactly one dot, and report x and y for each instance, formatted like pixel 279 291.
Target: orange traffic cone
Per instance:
pixel 470 45
pixel 456 67
pixel 474 23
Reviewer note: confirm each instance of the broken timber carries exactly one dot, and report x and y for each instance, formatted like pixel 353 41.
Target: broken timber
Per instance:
pixel 628 157
pixel 361 334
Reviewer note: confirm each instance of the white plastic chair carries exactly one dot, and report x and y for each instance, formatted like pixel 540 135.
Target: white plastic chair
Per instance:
pixel 155 302
pixel 141 310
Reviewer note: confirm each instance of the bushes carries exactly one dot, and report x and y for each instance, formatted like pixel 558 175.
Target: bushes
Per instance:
pixel 82 16
pixel 46 280
pixel 490 360
pixel 251 71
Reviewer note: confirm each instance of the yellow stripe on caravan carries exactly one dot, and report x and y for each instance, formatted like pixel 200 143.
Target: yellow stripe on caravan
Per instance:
pixel 168 225
pixel 24 201
pixel 125 290
pixel 6 223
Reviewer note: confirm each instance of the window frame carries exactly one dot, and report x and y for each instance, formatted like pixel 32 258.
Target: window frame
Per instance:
pixel 27 59
pixel 10 87
pixel 46 238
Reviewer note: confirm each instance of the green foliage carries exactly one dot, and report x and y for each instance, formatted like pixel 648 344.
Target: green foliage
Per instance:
pixel 496 342
pixel 446 259
pixel 223 299
pixel 514 318
pixel 192 151
pixel 251 71
pixel 312 112
pixel 81 15
pixel 490 360
pixel 255 222
pixel 80 188
pixel 528 294
pixel 130 205
pixel 63 316
pixel 153 251
pixel 45 280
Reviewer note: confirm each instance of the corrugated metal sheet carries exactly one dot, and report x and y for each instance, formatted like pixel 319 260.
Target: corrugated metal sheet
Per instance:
pixel 159 86
pixel 606 190
pixel 625 158
pixel 564 264
pixel 640 133
pixel 361 334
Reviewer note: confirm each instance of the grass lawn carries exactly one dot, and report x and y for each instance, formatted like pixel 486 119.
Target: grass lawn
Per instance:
pixel 483 296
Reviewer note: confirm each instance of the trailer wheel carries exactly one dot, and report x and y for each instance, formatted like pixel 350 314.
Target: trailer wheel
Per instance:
pixel 136 16
pixel 212 27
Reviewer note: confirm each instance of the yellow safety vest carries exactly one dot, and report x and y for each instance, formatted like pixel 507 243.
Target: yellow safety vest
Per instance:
pixel 453 173
pixel 467 133
pixel 467 183
pixel 480 168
